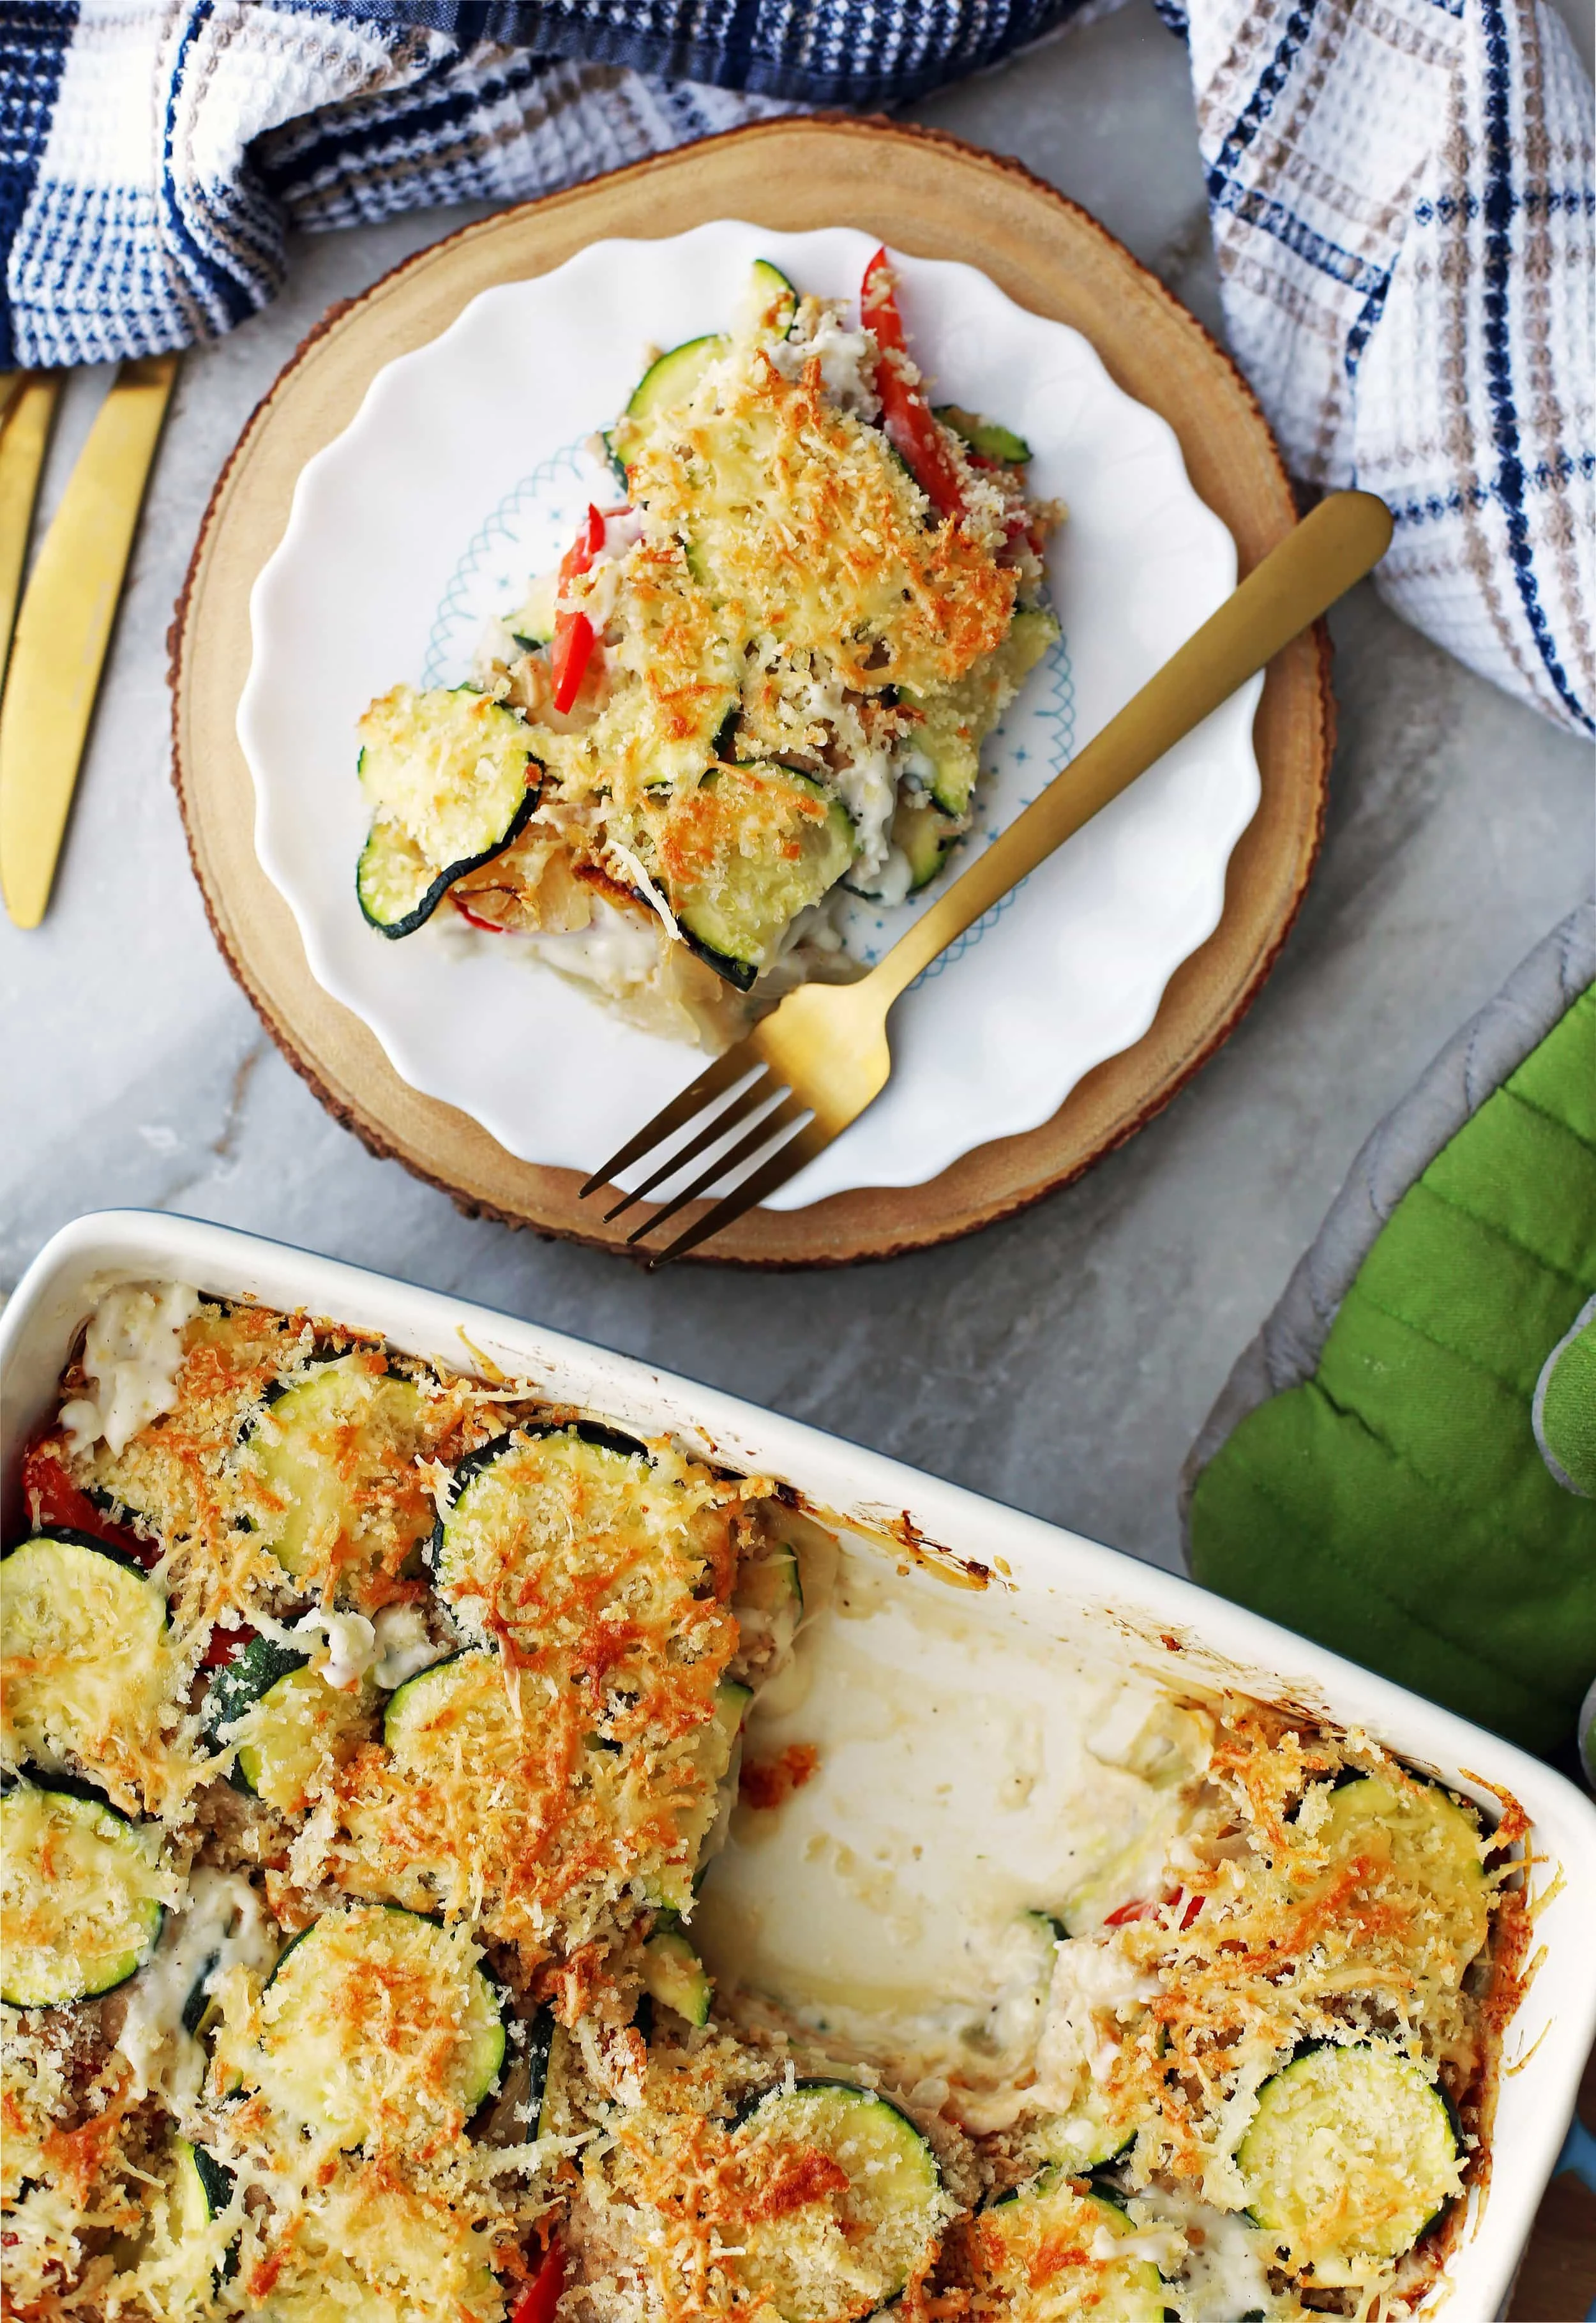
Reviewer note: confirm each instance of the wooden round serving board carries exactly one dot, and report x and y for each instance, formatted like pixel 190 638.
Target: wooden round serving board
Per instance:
pixel 922 193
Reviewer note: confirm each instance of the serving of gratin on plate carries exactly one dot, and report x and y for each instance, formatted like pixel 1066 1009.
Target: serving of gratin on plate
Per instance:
pixel 409 1909
pixel 684 667
pixel 756 685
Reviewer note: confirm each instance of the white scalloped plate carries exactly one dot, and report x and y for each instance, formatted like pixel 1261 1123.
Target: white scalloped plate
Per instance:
pixel 462 473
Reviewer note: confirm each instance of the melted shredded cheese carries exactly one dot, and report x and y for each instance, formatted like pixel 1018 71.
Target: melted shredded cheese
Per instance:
pixel 545 1790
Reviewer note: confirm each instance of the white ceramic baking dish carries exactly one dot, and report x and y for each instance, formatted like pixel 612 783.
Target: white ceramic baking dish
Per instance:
pixel 1014 1568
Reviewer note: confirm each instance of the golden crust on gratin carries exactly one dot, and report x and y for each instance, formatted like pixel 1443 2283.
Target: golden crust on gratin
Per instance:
pixel 544 1790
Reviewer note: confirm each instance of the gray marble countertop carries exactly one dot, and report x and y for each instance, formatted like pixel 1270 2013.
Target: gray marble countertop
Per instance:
pixel 1062 1362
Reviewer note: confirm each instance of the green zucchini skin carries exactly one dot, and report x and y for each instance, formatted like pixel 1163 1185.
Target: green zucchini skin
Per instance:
pixel 735 932
pixel 402 1701
pixel 446 761
pixel 68 1537
pixel 368 864
pixel 1125 2291
pixel 319 2088
pixel 71 1977
pixel 202 2190
pixel 739 972
pixel 487 1456
pixel 672 377
pixel 895 2182
pixel 539 2049
pixel 1293 2138
pixel 769 279
pixel 518 2109
pixel 236 1688
pixel 990 436
pixel 284 1443
pixel 215 2181
pixel 238 1685
pixel 673 1976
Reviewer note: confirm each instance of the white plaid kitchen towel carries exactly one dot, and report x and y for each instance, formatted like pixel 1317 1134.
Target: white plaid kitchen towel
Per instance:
pixel 1402 193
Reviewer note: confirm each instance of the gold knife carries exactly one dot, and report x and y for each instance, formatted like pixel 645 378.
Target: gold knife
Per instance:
pixel 27 408
pixel 65 626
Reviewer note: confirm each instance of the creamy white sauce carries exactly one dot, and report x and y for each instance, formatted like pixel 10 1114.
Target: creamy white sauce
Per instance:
pixel 1213 2260
pixel 618 948
pixel 847 361
pixel 958 1790
pixel 132 1351
pixel 351 1646
pixel 223 1923
pixel 403 1647
pixel 869 790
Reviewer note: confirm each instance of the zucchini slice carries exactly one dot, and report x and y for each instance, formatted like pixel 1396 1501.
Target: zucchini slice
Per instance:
pixel 518 2107
pixel 199 2190
pixel 1351 2154
pixel 202 2186
pixel 926 835
pixel 81 1890
pixel 375 2016
pixel 1418 1833
pixel 287 1722
pixel 769 309
pixel 1036 2256
pixel 1086 2137
pixel 83 1635
pixel 672 378
pixel 673 1976
pixel 457 1710
pixel 444 1707
pixel 954 725
pixel 702 1823
pixel 450 778
pixel 191 2262
pixel 745 853
pixel 324 1452
pixel 770 304
pixel 768 1598
pixel 990 436
pixel 873 2220
pixel 576 1496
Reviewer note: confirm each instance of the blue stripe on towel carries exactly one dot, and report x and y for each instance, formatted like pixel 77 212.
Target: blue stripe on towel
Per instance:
pixel 1260 103
pixel 34 37
pixel 1498 205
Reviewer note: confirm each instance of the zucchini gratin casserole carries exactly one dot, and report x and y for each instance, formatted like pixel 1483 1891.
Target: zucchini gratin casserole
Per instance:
pixel 370 1728
pixel 762 678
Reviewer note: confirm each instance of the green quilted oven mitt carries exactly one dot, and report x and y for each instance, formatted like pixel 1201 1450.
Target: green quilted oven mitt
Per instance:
pixel 1403 1464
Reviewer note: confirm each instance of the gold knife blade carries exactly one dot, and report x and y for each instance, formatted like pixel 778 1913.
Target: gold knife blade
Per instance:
pixel 64 628
pixel 24 438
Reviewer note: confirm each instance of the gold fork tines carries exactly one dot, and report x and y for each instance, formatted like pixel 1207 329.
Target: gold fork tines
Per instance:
pixel 823 1053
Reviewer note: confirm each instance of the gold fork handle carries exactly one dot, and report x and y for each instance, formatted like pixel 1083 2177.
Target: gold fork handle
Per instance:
pixel 1344 537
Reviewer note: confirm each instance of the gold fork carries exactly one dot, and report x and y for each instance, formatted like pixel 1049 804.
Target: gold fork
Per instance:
pixel 816 1061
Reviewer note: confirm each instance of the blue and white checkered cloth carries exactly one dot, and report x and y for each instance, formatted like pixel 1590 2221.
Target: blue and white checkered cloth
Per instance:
pixel 1402 192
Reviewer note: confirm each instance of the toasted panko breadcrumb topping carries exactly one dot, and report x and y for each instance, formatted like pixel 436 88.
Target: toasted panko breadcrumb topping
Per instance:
pixel 579 1618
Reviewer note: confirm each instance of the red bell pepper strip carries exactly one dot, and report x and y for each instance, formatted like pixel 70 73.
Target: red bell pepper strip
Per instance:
pixel 905 415
pixel 569 657
pixel 1126 1913
pixel 537 2303
pixel 1141 1910
pixel 573 646
pixel 489 927
pixel 53 1501
pixel 579 557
